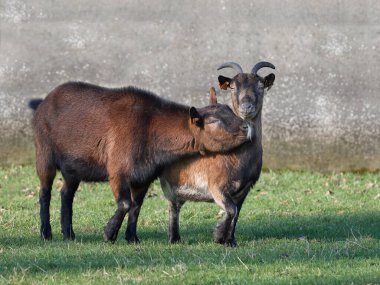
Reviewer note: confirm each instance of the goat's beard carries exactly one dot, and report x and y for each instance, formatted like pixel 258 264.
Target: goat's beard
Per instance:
pixel 251 131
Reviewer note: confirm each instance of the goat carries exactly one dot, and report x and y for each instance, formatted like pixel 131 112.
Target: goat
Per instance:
pixel 223 178
pixel 126 136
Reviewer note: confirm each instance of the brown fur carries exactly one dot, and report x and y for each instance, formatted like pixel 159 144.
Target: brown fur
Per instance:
pixel 223 178
pixel 125 136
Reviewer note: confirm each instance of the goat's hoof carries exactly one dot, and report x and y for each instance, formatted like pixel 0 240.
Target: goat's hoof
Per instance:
pixel 132 239
pixel 174 240
pixel 110 237
pixel 219 238
pixel 231 243
pixel 110 233
pixel 46 237
pixel 46 234
pixel 69 236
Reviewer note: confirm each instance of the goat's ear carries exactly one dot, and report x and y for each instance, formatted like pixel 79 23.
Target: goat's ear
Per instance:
pixel 268 81
pixel 195 117
pixel 224 82
pixel 213 99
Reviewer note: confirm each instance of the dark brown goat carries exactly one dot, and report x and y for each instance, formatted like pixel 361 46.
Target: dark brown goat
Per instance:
pixel 126 136
pixel 223 178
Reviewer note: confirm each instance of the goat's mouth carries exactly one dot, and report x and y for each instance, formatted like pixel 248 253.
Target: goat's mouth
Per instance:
pixel 247 116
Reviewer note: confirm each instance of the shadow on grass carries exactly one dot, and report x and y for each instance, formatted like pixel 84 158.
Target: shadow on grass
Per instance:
pixel 323 228
pixel 89 253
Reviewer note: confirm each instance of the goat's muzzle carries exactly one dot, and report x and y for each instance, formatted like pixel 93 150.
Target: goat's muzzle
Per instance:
pixel 247 111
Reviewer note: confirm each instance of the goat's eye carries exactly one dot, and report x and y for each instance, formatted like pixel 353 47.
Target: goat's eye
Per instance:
pixel 214 121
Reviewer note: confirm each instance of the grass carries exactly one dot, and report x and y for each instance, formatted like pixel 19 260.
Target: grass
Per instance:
pixel 295 228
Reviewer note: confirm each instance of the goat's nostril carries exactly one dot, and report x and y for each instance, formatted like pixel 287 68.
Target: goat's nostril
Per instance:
pixel 247 107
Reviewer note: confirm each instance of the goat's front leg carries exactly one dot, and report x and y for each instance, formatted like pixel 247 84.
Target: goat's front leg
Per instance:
pixel 137 197
pixel 174 211
pixel 121 192
pixel 230 236
pixel 222 229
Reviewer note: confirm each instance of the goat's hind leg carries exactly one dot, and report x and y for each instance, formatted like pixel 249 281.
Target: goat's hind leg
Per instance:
pixel 68 190
pixel 46 172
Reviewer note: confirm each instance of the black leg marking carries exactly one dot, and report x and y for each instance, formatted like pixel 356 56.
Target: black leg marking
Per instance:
pixel 174 211
pixel 46 180
pixel 138 195
pixel 231 231
pixel 45 197
pixel 221 232
pixel 67 196
pixel 112 228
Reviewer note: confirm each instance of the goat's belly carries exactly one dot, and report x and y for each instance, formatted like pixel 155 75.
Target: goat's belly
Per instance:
pixel 189 193
pixel 81 169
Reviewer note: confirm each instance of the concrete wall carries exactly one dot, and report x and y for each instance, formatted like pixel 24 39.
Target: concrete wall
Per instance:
pixel 322 113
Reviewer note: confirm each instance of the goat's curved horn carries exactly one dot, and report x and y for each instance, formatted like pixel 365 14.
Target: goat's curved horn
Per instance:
pixel 260 65
pixel 233 65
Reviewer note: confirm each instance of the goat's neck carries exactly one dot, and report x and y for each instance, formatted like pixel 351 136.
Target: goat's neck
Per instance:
pixel 177 140
pixel 183 144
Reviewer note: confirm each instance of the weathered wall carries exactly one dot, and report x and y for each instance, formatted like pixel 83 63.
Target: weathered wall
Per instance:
pixel 323 112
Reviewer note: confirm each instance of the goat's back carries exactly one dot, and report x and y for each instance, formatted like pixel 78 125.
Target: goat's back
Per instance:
pixel 88 123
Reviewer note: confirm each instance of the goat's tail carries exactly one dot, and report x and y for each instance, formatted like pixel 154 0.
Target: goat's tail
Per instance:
pixel 34 103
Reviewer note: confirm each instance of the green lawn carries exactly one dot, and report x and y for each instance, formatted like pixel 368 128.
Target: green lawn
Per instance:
pixel 295 228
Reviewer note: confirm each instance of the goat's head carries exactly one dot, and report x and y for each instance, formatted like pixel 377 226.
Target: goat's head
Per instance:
pixel 247 89
pixel 217 129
